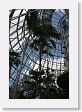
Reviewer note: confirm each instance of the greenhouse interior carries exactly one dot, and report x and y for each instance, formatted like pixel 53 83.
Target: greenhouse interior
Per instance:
pixel 39 54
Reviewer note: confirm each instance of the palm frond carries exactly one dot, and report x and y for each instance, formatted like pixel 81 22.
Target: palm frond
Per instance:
pixel 53 43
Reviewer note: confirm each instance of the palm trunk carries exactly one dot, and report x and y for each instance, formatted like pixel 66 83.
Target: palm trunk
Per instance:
pixel 40 60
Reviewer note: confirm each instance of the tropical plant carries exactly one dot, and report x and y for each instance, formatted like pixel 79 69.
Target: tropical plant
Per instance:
pixel 42 32
pixel 38 26
pixel 43 46
pixel 42 43
pixel 13 60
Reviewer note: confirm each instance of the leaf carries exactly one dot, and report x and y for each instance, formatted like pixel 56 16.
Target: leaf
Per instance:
pixel 63 53
pixel 53 43
pixel 51 54
pixel 14 58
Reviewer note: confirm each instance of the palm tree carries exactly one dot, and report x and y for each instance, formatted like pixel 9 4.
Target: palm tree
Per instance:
pixel 38 26
pixel 42 45
pixel 42 32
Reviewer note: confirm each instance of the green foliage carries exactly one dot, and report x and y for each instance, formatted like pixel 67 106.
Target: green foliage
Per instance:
pixel 32 19
pixel 14 58
pixel 41 44
pixel 35 90
pixel 19 95
pixel 38 26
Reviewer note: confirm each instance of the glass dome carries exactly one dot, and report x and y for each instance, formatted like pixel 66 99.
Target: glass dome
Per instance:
pixel 38 53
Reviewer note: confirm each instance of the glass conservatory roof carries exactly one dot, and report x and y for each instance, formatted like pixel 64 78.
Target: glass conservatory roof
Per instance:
pixel 19 33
